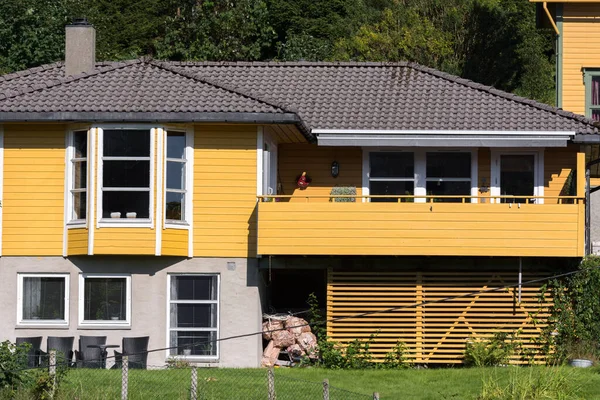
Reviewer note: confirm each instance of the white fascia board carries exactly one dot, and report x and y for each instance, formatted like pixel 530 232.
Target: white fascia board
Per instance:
pixel 436 132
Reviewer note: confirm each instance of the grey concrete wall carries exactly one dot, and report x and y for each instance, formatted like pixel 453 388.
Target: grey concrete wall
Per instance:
pixel 239 307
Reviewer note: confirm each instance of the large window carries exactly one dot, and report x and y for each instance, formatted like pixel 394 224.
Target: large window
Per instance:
pixel 448 174
pixel 126 174
pixel 592 93
pixel 104 299
pixel 78 179
pixel 175 182
pixel 43 299
pixel 194 315
pixel 391 174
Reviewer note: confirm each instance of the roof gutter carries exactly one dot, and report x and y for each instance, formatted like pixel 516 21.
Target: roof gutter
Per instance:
pixel 171 117
pixel 545 7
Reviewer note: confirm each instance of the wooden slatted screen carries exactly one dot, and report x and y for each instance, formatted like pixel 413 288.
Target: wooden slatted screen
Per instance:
pixel 434 333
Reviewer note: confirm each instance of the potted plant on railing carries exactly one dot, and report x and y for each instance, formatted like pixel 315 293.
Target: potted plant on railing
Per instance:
pixel 343 191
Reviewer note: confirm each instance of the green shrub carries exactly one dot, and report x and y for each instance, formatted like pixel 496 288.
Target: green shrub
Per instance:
pixel 547 383
pixel 395 358
pixel 490 352
pixel 574 321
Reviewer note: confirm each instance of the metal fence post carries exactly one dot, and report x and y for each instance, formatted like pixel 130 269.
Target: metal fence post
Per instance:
pixel 52 370
pixel 124 377
pixel 194 388
pixel 325 389
pixel 271 379
pixel 375 396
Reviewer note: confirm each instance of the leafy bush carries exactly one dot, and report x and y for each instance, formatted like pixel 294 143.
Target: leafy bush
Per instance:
pixel 13 362
pixel 549 383
pixel 395 358
pixel 490 352
pixel 574 321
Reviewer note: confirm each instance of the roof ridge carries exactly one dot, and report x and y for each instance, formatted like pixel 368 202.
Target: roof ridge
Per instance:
pixel 68 79
pixel 501 93
pixel 291 63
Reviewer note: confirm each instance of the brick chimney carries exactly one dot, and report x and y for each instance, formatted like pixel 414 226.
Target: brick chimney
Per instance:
pixel 80 47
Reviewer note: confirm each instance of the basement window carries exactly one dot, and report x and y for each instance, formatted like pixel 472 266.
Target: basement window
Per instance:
pixel 43 299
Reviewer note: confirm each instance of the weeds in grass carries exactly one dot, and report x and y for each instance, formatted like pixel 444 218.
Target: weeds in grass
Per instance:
pixel 549 383
pixel 490 352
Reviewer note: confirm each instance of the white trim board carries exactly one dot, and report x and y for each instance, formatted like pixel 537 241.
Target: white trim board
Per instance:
pixel 439 132
pixel 160 201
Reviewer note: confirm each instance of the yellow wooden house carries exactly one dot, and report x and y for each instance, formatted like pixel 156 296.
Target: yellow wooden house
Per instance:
pixel 182 200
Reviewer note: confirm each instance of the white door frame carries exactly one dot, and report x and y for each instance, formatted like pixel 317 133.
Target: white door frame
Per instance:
pixel 538 173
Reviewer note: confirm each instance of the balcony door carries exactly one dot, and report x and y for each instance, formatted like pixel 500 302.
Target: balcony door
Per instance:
pixel 517 174
pixel 269 167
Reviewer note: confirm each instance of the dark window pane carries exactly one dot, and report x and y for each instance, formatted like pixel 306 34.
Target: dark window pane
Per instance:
pixel 516 176
pixel 79 174
pixel 448 165
pixel 595 92
pixel 80 144
pixel 79 205
pixel 596 115
pixel 43 298
pixel 174 209
pixel 126 143
pixel 126 202
pixel 449 189
pixel 175 175
pixel 193 316
pixel 394 165
pixel 391 189
pixel 193 343
pixel 176 145
pixel 197 287
pixel 105 299
pixel 126 174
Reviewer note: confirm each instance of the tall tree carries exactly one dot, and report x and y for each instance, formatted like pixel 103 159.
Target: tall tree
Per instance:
pixel 217 30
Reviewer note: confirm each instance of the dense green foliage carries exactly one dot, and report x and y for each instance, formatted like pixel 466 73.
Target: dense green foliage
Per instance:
pixel 574 323
pixel 494 42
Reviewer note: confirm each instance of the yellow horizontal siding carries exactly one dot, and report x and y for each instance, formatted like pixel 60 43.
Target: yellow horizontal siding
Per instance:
pixel 224 190
pixel 438 332
pixel 138 241
pixel 559 162
pixel 33 204
pixel 581 35
pixel 77 242
pixel 420 229
pixel 316 162
pixel 175 242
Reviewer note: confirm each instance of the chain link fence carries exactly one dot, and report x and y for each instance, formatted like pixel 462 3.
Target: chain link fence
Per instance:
pixel 176 380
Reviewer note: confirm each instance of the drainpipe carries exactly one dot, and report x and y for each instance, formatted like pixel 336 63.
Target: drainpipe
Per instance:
pixel 545 6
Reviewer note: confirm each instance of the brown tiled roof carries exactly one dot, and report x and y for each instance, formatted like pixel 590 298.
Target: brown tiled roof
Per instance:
pixel 362 96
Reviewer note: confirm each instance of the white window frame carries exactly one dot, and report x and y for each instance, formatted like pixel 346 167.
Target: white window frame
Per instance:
pixel 420 169
pixel 120 323
pixel 188 206
pixel 21 321
pixel 125 222
pixel 217 329
pixel 76 223
pixel 538 174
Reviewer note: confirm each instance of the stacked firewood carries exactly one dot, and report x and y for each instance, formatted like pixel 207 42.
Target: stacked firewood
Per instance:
pixel 292 334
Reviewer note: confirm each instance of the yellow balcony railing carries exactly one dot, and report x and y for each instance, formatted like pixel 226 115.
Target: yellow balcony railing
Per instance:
pixel 422 225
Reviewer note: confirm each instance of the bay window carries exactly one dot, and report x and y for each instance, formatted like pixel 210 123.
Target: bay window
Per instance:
pixel 193 315
pixel 175 181
pixel 43 299
pixel 104 299
pixel 78 176
pixel 126 174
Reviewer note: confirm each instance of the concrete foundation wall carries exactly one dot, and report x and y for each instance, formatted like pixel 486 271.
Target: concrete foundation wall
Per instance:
pixel 239 306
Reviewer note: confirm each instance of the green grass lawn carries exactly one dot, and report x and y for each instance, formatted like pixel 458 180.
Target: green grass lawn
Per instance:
pixel 297 383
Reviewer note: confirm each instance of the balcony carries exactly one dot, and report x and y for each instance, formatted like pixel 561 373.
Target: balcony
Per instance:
pixel 428 226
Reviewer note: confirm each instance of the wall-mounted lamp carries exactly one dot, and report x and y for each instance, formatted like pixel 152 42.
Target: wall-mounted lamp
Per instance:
pixel 335 169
